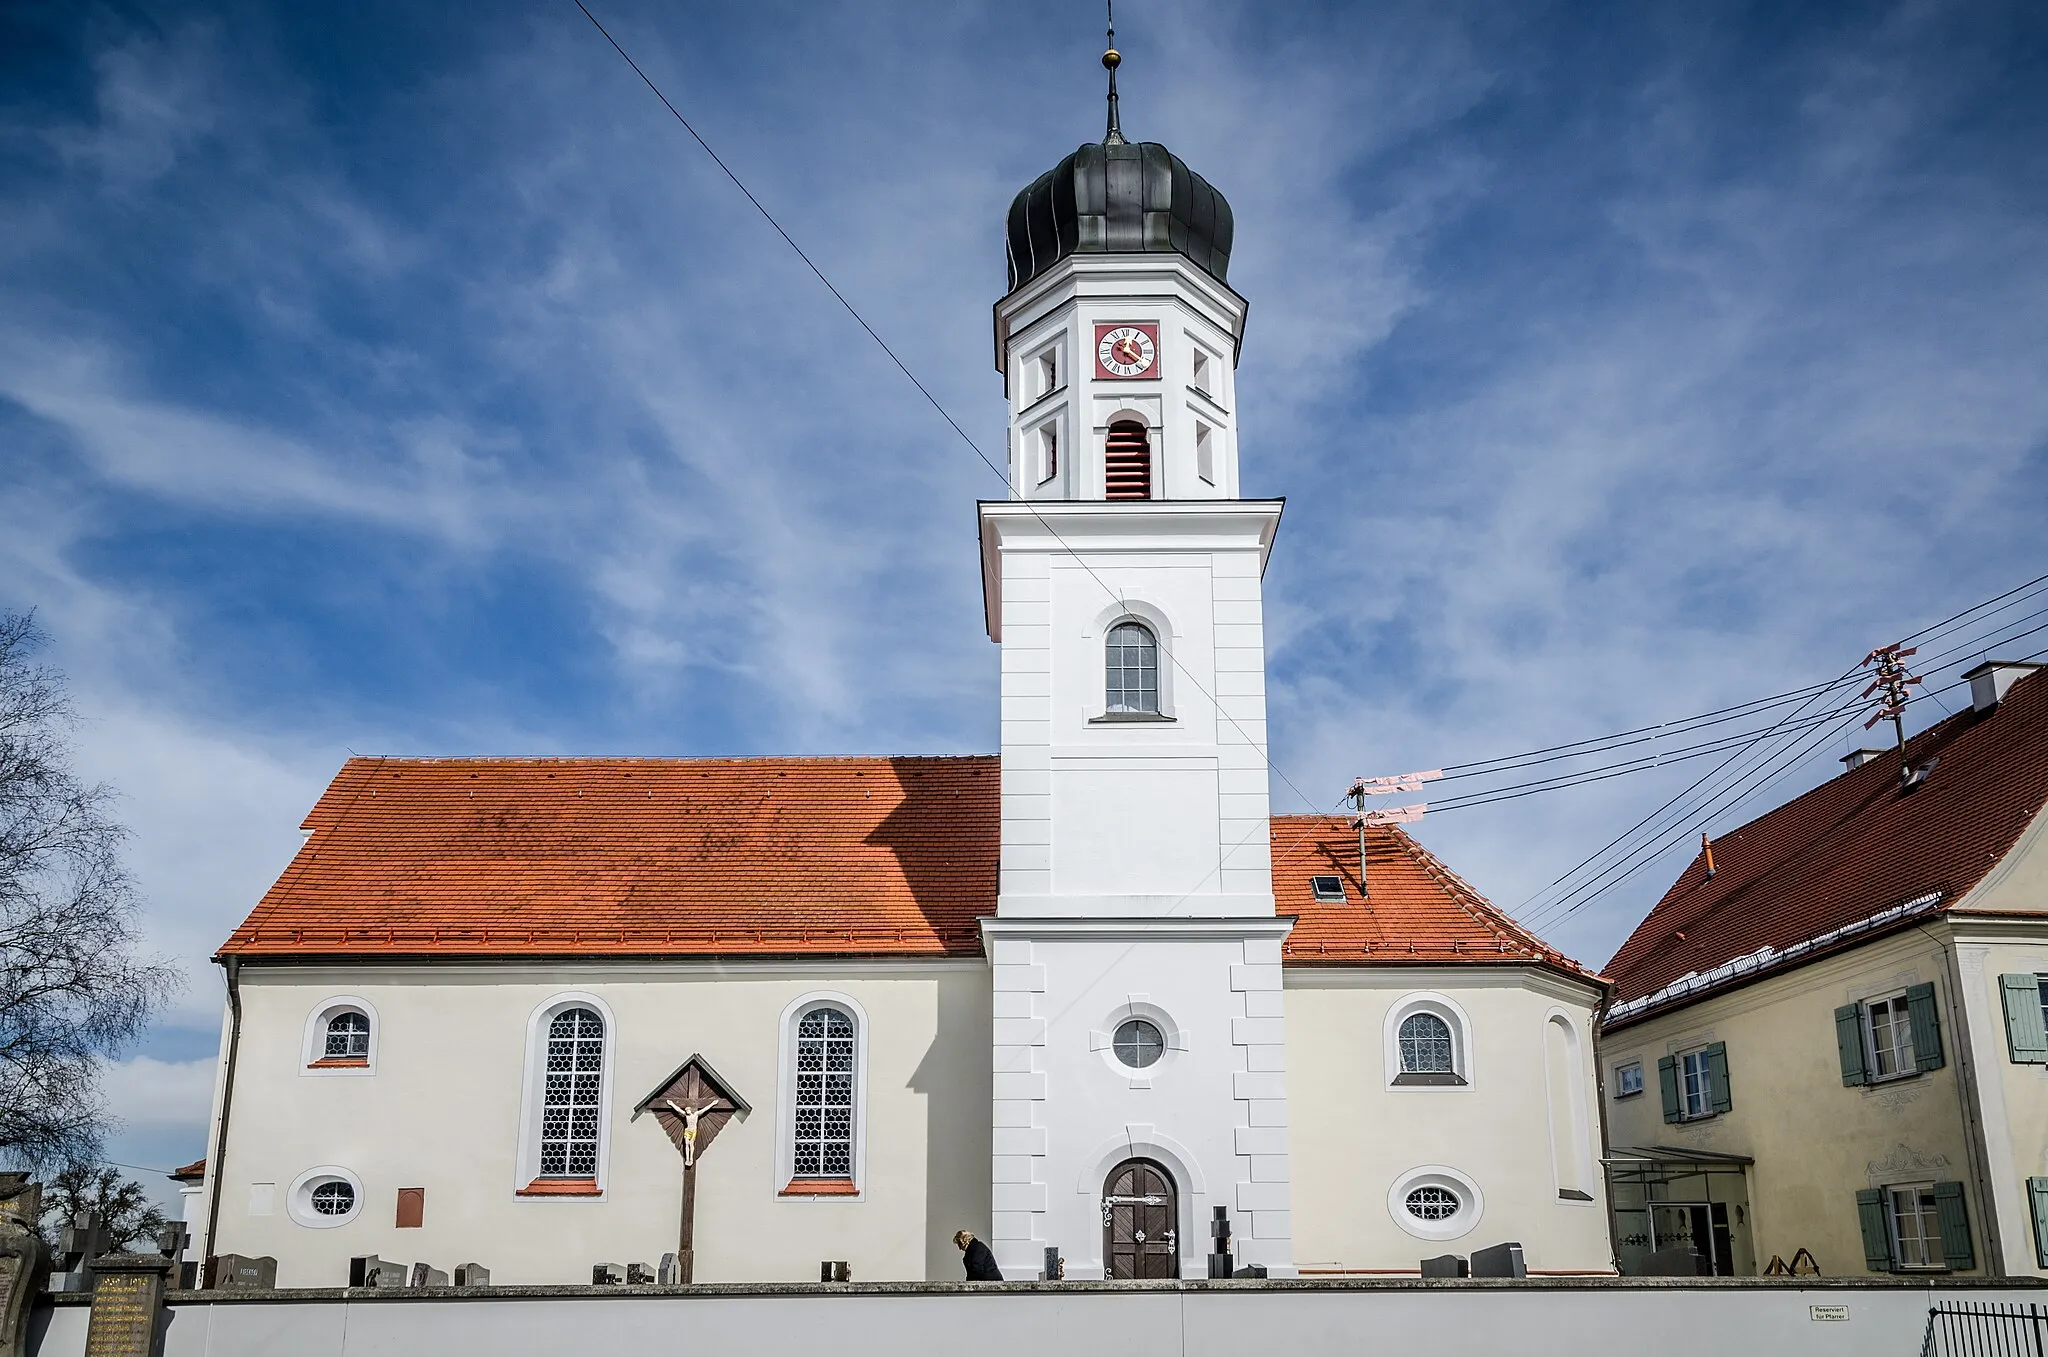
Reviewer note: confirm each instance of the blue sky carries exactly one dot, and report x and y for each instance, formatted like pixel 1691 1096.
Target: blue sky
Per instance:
pixel 386 378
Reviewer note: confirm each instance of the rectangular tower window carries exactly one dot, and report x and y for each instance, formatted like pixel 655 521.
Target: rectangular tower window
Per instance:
pixel 1205 453
pixel 1048 372
pixel 1127 462
pixel 1201 377
pixel 1048 453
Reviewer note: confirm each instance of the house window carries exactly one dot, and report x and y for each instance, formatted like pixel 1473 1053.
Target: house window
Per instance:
pixel 1138 1044
pixel 1132 658
pixel 823 1124
pixel 1328 889
pixel 1127 462
pixel 1915 1226
pixel 1888 1036
pixel 1426 1046
pixel 348 1037
pixel 1695 1084
pixel 1628 1079
pixel 1205 453
pixel 325 1197
pixel 336 1198
pixel 573 1098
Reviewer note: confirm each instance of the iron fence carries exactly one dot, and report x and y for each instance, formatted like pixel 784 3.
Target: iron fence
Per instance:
pixel 1986 1330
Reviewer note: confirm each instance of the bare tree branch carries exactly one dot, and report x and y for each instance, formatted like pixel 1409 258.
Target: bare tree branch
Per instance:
pixel 74 988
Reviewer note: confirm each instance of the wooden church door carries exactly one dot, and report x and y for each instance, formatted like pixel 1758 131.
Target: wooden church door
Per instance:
pixel 1140 1217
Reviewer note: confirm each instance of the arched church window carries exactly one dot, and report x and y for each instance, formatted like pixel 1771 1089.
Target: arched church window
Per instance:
pixel 573 1098
pixel 823 1125
pixel 1132 658
pixel 348 1036
pixel 1426 1046
pixel 1127 462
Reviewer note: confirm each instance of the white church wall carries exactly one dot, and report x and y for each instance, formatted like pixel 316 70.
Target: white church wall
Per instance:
pixel 441 1109
pixel 1212 1112
pixel 1512 1133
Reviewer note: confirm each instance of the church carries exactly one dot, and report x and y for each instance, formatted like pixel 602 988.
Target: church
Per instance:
pixel 1082 997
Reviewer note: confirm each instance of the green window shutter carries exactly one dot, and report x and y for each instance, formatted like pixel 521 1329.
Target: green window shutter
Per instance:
pixel 1877 1231
pixel 1955 1225
pixel 1667 1084
pixel 1717 1077
pixel 2025 1029
pixel 1926 1027
pixel 2037 1196
pixel 1849 1041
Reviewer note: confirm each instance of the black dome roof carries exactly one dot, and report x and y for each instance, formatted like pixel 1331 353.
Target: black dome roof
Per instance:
pixel 1118 197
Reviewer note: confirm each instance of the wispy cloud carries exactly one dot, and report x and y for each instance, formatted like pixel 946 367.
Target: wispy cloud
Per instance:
pixel 409 385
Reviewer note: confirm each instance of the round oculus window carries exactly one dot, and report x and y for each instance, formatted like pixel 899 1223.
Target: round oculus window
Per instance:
pixel 1433 1203
pixel 1138 1044
pixel 334 1198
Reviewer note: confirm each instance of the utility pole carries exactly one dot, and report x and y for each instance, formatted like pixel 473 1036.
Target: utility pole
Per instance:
pixel 1400 784
pixel 1892 681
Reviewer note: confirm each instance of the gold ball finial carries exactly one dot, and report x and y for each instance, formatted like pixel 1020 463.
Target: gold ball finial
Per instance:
pixel 1112 59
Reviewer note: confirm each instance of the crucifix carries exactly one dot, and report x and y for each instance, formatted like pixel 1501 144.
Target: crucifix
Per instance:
pixel 692 1106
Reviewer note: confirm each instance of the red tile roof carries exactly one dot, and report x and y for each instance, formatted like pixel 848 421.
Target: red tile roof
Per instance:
pixel 1851 849
pixel 1416 911
pixel 773 856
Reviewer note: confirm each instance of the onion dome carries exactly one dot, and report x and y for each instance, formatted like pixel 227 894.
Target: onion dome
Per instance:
pixel 1118 197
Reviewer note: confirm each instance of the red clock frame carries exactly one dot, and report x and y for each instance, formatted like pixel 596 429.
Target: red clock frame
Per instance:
pixel 1148 328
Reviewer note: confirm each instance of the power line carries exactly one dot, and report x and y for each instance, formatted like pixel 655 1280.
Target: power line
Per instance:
pixel 2007 598
pixel 904 368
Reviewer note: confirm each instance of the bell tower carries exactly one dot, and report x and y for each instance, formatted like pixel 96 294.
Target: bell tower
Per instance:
pixel 1135 950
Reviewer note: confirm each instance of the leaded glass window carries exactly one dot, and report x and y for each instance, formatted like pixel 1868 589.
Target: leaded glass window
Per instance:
pixel 824 1095
pixel 1432 1203
pixel 1138 1044
pixel 1133 670
pixel 1426 1045
pixel 574 1098
pixel 348 1037
pixel 334 1198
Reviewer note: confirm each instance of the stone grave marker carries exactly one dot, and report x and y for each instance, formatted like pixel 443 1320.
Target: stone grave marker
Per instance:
pixel 669 1272
pixel 241 1272
pixel 1502 1260
pixel 127 1304
pixel 472 1274
pixel 24 1262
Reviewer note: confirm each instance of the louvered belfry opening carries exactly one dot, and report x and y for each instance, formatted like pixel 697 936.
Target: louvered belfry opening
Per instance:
pixel 1127 462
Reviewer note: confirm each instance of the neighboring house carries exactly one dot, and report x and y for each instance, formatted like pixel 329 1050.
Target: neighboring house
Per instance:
pixel 763 1014
pixel 1833 1040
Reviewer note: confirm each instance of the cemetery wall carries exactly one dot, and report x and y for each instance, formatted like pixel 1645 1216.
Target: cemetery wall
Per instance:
pixel 1532 1318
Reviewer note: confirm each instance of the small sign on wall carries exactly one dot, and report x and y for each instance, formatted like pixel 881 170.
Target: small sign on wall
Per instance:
pixel 1829 1313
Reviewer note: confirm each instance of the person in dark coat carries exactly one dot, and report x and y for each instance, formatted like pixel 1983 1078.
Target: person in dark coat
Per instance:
pixel 981 1264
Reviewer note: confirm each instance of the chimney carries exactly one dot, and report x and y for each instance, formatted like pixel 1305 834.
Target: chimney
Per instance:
pixel 1856 758
pixel 1990 680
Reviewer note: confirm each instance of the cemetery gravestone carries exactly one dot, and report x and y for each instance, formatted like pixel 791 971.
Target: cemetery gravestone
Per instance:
pixel 235 1270
pixel 127 1304
pixel 23 1260
pixel 472 1274
pixel 1445 1265
pixel 1502 1260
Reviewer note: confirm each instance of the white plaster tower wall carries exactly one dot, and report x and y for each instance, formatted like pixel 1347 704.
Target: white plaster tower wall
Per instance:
pixel 1136 861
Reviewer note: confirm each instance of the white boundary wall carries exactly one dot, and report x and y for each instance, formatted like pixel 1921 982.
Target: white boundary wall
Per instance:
pixel 1530 1319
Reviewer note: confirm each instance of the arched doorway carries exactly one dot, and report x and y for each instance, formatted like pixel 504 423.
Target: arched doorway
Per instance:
pixel 1140 1222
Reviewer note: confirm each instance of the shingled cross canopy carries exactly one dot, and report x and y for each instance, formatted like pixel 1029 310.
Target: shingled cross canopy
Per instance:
pixel 693 1105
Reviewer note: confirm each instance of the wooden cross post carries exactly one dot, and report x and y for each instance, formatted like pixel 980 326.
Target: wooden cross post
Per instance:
pixel 692 1106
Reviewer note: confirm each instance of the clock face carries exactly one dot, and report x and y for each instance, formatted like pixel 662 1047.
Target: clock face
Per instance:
pixel 1126 350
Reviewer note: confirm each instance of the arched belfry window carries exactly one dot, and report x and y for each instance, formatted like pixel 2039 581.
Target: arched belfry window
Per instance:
pixel 1127 462
pixel 1132 664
